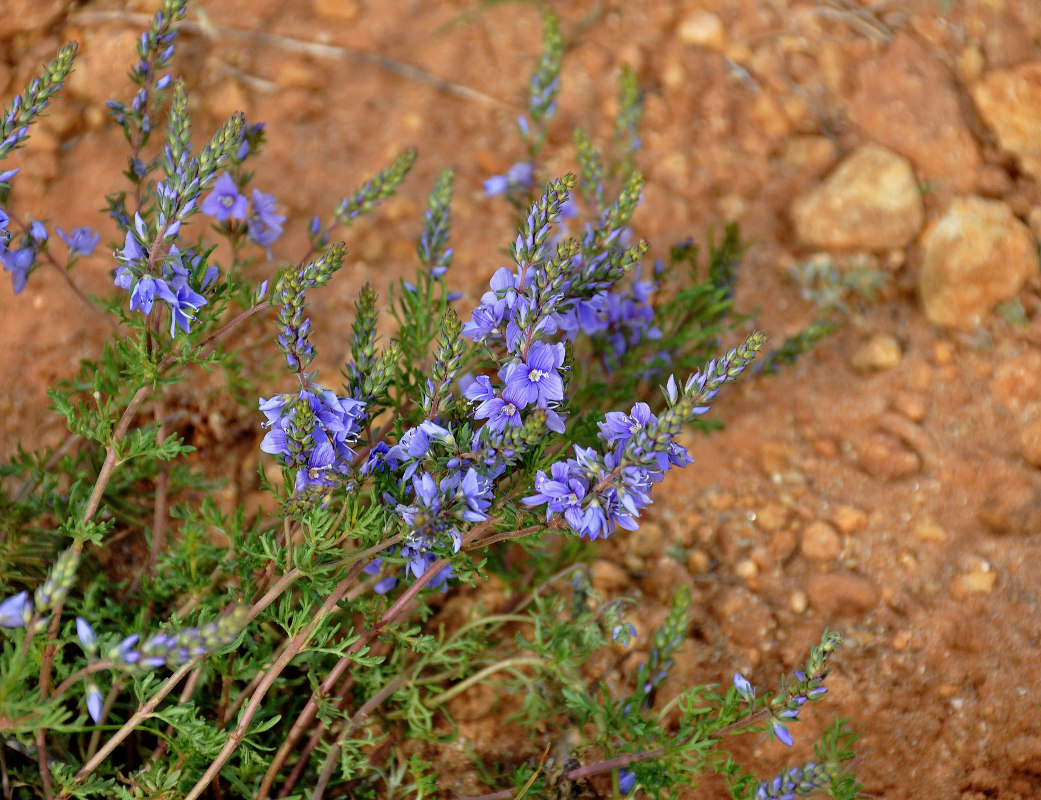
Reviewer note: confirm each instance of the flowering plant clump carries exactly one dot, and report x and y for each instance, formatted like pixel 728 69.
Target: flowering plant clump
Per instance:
pixel 291 650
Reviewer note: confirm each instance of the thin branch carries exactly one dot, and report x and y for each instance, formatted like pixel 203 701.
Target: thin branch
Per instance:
pixel 303 47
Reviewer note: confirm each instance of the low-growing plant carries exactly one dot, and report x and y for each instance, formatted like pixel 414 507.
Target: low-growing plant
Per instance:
pixel 295 652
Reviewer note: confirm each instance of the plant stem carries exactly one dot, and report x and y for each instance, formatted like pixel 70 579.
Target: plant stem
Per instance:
pixel 477 677
pixel 143 712
pixel 296 644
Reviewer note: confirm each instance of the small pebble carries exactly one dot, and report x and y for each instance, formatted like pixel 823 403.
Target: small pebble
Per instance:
pixel 798 602
pixel 702 28
pixel 698 562
pixel 929 531
pixel 821 542
pixel 849 519
pixel 746 568
pixel 881 351
pixel 980 581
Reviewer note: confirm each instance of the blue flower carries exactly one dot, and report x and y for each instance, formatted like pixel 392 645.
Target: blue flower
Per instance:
pixel 324 451
pixel 626 781
pixel 143 295
pixel 517 179
pixel 501 411
pixel 744 688
pixel 16 611
pixel 94 702
pixel 183 303
pixel 18 263
pixel 81 241
pixel 781 732
pixel 86 635
pixel 619 427
pixel 535 379
pixel 264 225
pixel 225 201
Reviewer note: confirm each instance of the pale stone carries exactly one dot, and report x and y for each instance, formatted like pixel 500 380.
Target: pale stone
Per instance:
pixel 849 519
pixel 929 531
pixel 975 256
pixel 1016 383
pixel 978 581
pixel 702 28
pixel 871 201
pixel 812 153
pixel 1009 101
pixel 746 568
pixel 881 351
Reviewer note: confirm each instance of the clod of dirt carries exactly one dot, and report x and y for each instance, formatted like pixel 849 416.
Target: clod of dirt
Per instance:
pixel 882 455
pixel 821 542
pixel 907 100
pixel 842 594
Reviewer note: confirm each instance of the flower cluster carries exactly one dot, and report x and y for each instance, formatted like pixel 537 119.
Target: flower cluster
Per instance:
pixel 172 283
pixel 597 491
pixel 174 649
pixel 435 513
pixel 294 339
pixel 618 319
pixel 155 48
pixel 151 264
pixel 533 380
pixel 312 432
pixel 225 202
pixel 158 650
